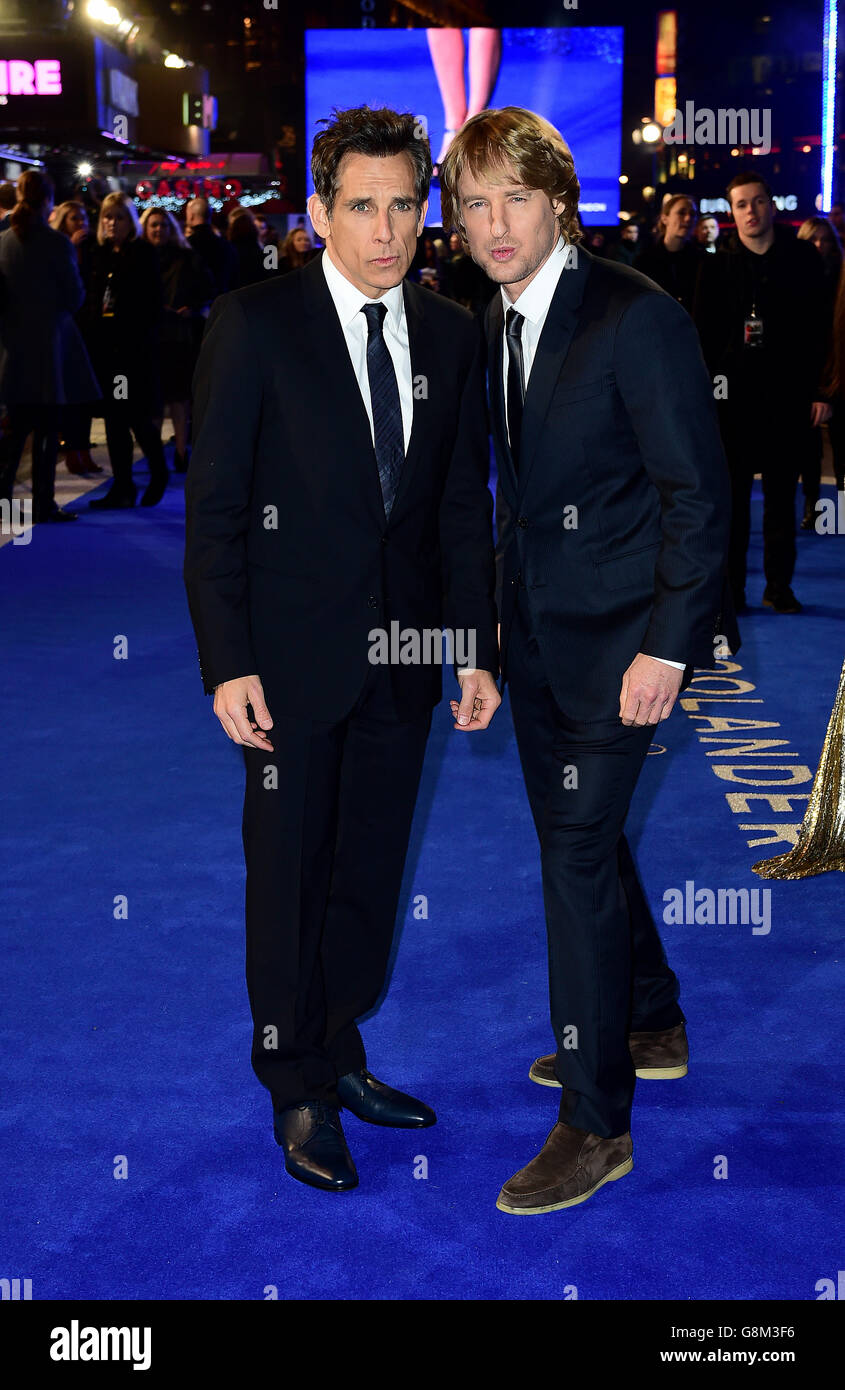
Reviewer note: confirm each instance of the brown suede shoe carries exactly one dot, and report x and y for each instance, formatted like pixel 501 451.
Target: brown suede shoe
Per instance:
pixel 661 1056
pixel 570 1167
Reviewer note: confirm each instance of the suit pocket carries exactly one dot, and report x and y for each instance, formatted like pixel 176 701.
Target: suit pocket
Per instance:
pixel 565 396
pixel 635 567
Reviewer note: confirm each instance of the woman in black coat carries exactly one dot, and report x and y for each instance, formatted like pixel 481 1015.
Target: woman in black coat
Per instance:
pixel 188 292
pixel 673 260
pixel 71 219
pixel 123 312
pixel 43 362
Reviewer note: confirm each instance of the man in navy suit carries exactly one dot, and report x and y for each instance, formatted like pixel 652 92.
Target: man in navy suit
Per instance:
pixel 613 549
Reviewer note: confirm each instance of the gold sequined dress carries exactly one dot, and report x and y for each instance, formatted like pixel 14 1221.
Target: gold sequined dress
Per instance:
pixel 821 839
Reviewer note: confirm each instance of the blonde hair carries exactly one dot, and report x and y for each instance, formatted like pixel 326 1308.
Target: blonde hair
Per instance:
pixel 118 200
pixel 493 141
pixel 174 231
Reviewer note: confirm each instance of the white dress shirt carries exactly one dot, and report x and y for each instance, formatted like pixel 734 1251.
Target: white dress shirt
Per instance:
pixel 348 302
pixel 533 305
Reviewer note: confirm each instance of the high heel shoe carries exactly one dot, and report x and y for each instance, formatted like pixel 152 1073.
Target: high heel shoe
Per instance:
pixel 74 462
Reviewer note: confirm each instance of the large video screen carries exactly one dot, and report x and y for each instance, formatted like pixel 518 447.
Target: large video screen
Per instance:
pixel 572 76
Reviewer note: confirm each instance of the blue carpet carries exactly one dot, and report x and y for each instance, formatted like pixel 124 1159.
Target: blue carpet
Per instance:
pixel 125 1035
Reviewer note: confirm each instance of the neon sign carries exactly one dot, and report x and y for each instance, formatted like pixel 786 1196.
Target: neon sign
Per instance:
pixel 184 188
pixel 43 78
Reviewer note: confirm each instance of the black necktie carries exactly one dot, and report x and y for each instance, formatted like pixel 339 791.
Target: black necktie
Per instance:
pixel 387 411
pixel 516 380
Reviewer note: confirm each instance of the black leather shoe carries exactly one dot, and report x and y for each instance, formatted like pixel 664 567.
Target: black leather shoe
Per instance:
pixel 113 499
pixel 315 1146
pixel 55 515
pixel 155 490
pixel 782 601
pixel 372 1100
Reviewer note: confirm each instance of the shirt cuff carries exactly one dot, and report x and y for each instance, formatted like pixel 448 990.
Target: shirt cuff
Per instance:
pixel 678 665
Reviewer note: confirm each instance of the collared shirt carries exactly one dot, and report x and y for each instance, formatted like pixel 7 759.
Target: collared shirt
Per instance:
pixel 348 301
pixel 534 304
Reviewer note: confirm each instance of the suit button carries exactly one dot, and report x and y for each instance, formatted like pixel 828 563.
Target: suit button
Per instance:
pixel 522 521
pixel 384 540
pixel 372 601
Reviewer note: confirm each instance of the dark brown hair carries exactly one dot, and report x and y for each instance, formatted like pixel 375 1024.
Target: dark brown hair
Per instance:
pixel 513 136
pixel 362 130
pixel 35 191
pixel 750 176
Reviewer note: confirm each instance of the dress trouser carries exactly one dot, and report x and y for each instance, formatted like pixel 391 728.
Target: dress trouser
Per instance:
pixel 326 823
pixel 43 421
pixel 122 420
pixel 608 973
pixel 773 440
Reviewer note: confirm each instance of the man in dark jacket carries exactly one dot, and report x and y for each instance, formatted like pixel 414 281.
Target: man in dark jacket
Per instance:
pixel 764 326
pixel 216 252
pixel 337 493
pixel 615 482
pixel 43 361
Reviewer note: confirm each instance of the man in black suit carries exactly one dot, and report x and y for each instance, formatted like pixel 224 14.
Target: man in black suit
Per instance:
pixel 337 494
pixel 617 502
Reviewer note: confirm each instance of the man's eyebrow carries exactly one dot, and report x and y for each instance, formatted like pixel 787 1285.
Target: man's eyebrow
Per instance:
pixel 506 188
pixel 368 198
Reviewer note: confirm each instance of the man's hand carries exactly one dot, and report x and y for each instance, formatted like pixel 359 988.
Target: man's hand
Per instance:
pixel 820 413
pixel 479 701
pixel 649 690
pixel 230 702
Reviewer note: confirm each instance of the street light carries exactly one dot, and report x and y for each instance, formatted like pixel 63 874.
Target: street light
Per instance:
pixel 105 13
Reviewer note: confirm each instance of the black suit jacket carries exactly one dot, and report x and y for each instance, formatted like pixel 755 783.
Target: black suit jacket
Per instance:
pixel 620 423
pixel 289 560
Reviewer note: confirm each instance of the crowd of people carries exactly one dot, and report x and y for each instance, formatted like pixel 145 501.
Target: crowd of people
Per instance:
pixel 101 316
pixel 769 306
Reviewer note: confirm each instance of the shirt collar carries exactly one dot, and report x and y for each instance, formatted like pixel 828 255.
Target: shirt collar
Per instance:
pixel 349 300
pixel 535 299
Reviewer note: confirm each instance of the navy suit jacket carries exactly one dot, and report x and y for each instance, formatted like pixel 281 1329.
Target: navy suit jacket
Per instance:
pixel 619 423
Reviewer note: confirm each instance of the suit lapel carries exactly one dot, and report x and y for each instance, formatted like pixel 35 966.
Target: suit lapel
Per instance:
pixel 343 393
pixel 554 344
pixel 422 345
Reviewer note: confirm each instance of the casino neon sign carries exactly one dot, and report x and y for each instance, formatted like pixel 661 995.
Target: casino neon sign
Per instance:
pixel 43 78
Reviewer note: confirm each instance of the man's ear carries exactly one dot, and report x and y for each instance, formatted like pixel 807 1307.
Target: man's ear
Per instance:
pixel 320 220
pixel 421 222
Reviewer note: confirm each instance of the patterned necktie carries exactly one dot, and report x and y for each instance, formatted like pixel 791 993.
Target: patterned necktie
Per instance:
pixel 387 411
pixel 516 380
